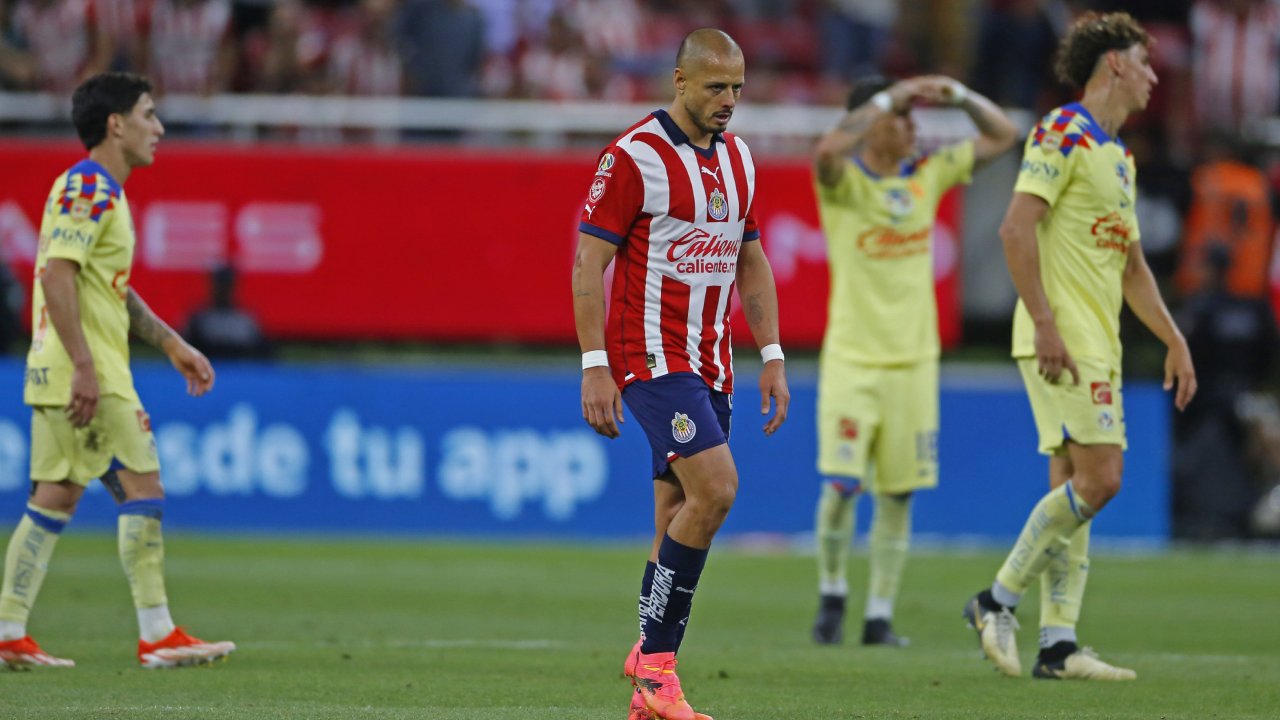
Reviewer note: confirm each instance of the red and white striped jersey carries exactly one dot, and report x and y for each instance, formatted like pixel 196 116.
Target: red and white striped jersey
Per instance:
pixel 358 66
pixel 1236 63
pixel 59 36
pixel 679 215
pixel 186 43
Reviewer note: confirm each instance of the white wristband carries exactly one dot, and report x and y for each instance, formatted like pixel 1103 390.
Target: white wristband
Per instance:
pixel 771 352
pixel 958 92
pixel 882 101
pixel 595 358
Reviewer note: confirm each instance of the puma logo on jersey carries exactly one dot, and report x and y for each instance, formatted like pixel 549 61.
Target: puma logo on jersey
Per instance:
pixel 715 174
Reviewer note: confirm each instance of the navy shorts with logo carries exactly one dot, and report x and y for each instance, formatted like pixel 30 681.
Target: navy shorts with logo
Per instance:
pixel 681 415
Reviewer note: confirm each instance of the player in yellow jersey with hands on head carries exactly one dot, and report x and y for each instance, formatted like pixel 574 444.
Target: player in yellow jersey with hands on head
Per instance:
pixel 1071 241
pixel 878 375
pixel 87 420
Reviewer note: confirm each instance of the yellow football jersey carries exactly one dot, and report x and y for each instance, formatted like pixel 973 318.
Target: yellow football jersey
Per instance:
pixel 1088 179
pixel 87 220
pixel 879 234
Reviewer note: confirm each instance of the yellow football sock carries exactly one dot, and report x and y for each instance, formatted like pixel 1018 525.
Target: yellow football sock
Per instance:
pixel 142 551
pixel 1062 583
pixel 834 526
pixel 27 561
pixel 889 539
pixel 1046 534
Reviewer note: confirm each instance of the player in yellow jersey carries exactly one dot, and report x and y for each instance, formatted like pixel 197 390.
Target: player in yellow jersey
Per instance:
pixel 86 419
pixel 1071 241
pixel 878 382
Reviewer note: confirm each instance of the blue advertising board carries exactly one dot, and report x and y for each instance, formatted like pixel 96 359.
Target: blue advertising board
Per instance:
pixel 504 452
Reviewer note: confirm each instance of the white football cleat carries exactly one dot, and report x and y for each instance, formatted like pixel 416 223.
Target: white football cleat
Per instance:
pixel 1083 664
pixel 997 631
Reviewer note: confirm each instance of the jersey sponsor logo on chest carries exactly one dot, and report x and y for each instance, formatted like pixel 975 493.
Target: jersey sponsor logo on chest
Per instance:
pixel 698 251
pixel 1111 232
pixel 885 242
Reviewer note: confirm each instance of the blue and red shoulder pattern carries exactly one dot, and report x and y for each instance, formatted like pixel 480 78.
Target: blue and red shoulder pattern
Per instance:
pixel 912 166
pixel 1064 132
pixel 90 191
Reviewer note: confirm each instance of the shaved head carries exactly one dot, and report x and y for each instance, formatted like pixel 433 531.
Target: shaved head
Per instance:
pixel 706 45
pixel 708 78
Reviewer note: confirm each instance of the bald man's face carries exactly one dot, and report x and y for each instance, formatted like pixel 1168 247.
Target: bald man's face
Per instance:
pixel 708 86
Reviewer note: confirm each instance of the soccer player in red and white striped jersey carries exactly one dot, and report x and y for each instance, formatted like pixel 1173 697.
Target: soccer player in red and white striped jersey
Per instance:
pixel 672 202
pixel 60 43
pixel 192 49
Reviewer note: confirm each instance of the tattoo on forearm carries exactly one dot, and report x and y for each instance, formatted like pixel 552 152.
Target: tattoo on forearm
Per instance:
pixel 144 324
pixel 755 311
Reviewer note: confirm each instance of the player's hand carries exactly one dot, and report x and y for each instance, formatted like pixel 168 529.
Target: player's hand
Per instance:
pixel 601 402
pixel 773 384
pixel 903 93
pixel 1179 371
pixel 193 365
pixel 934 89
pixel 84 394
pixel 1051 354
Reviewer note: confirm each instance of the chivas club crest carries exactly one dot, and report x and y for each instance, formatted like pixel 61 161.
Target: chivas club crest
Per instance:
pixel 682 428
pixel 717 205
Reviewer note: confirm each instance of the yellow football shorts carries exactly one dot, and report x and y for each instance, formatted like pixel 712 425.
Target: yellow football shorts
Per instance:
pixel 879 418
pixel 1091 413
pixel 120 430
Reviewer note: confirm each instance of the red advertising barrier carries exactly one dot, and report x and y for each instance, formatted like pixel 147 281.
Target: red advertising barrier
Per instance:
pixel 405 243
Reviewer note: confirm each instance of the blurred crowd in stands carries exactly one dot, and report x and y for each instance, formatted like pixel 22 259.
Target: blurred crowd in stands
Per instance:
pixel 1208 187
pixel 1216 57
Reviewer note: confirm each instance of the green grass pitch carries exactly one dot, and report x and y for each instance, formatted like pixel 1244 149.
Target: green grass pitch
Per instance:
pixel 460 631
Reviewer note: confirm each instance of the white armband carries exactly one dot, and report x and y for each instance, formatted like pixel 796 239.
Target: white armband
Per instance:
pixel 959 93
pixel 882 101
pixel 595 358
pixel 771 352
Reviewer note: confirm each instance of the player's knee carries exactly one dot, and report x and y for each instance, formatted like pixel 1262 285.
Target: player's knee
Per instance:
pixel 1099 487
pixel 63 497
pixel 721 498
pixel 1109 484
pixel 714 501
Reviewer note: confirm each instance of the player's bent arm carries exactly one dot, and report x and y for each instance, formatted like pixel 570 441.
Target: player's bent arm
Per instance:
pixel 1022 252
pixel 833 148
pixel 996 132
pixel 62 299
